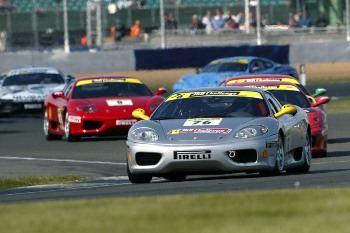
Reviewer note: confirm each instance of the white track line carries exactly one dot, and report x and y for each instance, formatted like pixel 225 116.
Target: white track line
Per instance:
pixel 339 161
pixel 59 160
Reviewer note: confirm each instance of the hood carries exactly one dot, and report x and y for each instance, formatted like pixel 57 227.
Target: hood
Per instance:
pixel 121 106
pixel 29 93
pixel 203 80
pixel 221 129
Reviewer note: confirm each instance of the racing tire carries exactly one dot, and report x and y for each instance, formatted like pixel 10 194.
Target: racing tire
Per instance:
pixel 138 178
pixel 46 127
pixel 67 133
pixel 279 162
pixel 175 177
pixel 306 153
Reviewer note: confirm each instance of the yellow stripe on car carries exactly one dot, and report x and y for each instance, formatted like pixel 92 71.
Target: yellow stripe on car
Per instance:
pixel 279 87
pixel 242 61
pixel 184 95
pixel 108 80
pixel 245 80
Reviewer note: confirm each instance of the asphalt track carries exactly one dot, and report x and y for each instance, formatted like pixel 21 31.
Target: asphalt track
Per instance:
pixel 24 152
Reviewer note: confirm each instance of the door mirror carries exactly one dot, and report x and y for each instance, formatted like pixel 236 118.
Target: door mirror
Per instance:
pixel 160 91
pixel 321 100
pixel 286 109
pixel 58 94
pixel 140 114
pixel 69 77
pixel 319 92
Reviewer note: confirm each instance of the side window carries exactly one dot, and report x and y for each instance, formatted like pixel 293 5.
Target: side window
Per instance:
pixel 275 106
pixel 278 104
pixel 261 65
pixel 67 89
pixel 257 66
pixel 268 65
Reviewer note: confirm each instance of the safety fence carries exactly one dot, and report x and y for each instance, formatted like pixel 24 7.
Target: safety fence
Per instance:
pixel 44 27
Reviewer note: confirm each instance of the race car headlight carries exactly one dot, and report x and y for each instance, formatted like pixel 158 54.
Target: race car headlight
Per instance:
pixel 251 131
pixel 86 108
pixel 144 134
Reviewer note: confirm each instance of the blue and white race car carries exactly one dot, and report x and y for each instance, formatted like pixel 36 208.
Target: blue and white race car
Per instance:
pixel 26 88
pixel 217 71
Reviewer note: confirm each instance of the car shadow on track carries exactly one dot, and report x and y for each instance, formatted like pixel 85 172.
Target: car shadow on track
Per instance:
pixel 338 140
pixel 338 154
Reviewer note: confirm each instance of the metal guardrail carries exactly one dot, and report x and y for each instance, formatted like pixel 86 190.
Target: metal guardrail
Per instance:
pixel 196 38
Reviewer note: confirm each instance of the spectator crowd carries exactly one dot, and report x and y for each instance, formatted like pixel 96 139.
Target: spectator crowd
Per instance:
pixel 229 21
pixel 223 21
pixel 303 20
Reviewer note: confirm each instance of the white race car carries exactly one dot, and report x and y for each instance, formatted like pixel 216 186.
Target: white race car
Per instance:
pixel 26 88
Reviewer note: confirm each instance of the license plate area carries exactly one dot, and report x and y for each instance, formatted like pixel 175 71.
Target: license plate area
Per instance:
pixel 33 106
pixel 125 122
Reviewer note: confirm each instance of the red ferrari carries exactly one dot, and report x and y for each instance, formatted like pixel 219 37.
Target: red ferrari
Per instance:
pixel 289 93
pixel 97 106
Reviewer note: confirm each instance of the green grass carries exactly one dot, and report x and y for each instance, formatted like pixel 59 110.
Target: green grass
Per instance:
pixel 338 105
pixel 288 211
pixel 9 183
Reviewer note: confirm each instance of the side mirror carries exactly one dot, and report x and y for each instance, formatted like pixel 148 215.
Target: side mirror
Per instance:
pixel 321 100
pixel 58 94
pixel 286 109
pixel 140 114
pixel 69 77
pixel 312 99
pixel 319 92
pixel 160 91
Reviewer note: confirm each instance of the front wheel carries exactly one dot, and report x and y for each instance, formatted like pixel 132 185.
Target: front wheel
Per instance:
pixel 138 178
pixel 46 126
pixel 67 132
pixel 279 162
pixel 306 153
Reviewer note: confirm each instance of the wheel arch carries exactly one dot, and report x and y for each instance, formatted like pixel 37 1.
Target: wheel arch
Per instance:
pixel 282 134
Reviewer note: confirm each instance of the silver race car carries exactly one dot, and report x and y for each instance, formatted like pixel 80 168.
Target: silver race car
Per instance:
pixel 217 131
pixel 26 88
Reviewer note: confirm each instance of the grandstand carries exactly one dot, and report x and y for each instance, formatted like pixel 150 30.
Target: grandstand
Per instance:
pixel 47 5
pixel 80 5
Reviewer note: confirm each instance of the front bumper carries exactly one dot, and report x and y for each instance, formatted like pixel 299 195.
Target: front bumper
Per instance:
pixel 203 157
pixel 7 107
pixel 319 142
pixel 95 126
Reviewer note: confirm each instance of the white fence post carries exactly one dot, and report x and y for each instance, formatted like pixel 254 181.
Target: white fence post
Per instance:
pixel 302 75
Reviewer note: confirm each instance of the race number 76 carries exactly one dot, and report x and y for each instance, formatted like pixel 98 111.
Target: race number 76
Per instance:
pixel 197 122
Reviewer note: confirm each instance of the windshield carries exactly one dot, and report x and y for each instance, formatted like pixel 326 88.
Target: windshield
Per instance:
pixel 32 78
pixel 291 97
pixel 211 106
pixel 227 66
pixel 303 89
pixel 110 89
